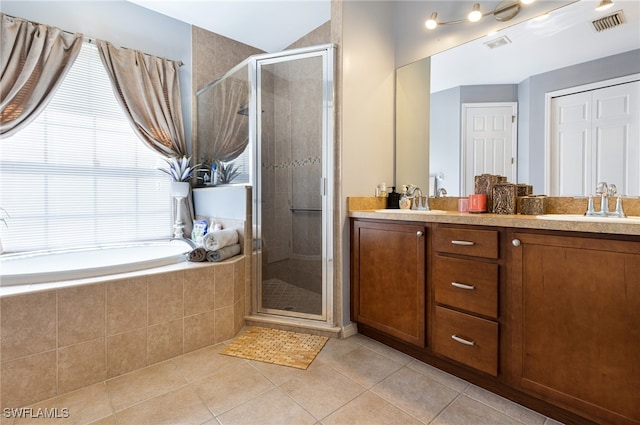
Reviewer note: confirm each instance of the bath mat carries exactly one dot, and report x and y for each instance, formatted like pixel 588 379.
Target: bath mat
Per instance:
pixel 284 348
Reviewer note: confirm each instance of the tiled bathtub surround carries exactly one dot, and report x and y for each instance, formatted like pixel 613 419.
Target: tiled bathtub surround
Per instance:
pixel 56 341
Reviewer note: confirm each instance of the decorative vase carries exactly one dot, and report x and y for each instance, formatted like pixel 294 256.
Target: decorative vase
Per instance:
pixel 179 191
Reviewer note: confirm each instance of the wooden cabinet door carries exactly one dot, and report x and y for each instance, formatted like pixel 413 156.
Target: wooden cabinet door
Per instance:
pixel 388 278
pixel 575 323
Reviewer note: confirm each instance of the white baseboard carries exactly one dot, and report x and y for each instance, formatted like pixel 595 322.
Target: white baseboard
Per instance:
pixel 349 330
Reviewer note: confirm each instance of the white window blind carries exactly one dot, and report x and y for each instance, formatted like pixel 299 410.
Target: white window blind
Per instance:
pixel 78 175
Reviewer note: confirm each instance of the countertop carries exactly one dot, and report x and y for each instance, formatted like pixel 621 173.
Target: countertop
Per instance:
pixel 604 225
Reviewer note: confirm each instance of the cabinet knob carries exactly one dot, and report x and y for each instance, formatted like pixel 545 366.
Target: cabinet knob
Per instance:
pixel 515 242
pixel 419 233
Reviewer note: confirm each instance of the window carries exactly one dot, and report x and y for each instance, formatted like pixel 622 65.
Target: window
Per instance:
pixel 78 175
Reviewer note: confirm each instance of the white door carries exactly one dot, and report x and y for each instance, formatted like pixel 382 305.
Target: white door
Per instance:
pixel 488 142
pixel 595 136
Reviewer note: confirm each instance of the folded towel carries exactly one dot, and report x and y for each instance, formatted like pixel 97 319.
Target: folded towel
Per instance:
pixel 224 253
pixel 198 255
pixel 219 239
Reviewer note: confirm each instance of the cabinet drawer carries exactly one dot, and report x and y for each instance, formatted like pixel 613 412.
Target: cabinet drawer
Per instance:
pixel 465 284
pixel 467 339
pixel 477 243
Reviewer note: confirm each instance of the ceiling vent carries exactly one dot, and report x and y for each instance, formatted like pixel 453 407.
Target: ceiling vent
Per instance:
pixel 498 42
pixel 609 21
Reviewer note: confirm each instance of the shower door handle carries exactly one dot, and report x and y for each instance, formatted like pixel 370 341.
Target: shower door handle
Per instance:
pixel 323 186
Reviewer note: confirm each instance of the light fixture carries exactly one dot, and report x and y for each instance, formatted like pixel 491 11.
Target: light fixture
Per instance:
pixel 505 11
pixel 604 4
pixel 432 22
pixel 475 15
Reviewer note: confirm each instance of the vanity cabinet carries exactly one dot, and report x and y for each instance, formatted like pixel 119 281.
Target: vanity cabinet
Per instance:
pixel 465 286
pixel 574 311
pixel 388 280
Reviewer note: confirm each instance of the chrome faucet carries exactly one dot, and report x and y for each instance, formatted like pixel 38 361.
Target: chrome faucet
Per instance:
pixel 189 242
pixel 442 192
pixel 605 191
pixel 416 193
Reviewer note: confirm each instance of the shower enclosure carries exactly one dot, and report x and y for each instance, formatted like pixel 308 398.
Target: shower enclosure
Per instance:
pixel 282 105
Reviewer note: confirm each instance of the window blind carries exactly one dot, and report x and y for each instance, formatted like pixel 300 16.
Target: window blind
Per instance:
pixel 78 175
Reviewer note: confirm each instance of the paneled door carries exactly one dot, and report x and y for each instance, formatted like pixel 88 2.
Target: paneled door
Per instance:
pixel 594 137
pixel 488 143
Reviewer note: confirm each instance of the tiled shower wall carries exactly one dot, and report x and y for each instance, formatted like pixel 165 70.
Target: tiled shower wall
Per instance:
pixel 56 341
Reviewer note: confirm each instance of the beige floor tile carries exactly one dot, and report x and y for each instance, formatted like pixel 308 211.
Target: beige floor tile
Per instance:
pixel 322 390
pixel 135 387
pixel 521 413
pixel 369 409
pixel 181 406
pixel 445 378
pixel 109 420
pixel 279 374
pixel 335 348
pixel 416 394
pixel 385 350
pixel 204 362
pixel 231 386
pixel 270 408
pixel 364 366
pixel 468 411
pixel 550 421
pixel 79 407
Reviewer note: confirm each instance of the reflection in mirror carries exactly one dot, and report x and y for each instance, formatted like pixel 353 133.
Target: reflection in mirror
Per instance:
pixel 534 58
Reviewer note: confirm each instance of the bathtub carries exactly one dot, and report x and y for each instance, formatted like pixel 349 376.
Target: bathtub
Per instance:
pixel 81 263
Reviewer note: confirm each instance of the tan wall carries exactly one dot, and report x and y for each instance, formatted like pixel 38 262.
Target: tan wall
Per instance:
pixel 365 101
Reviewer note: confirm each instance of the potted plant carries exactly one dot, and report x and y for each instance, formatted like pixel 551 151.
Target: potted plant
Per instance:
pixel 180 171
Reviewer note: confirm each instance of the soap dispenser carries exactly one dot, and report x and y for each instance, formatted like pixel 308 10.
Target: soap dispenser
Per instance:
pixel 393 200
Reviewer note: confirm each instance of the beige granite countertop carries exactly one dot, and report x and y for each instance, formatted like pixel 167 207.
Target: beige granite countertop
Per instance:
pixel 629 226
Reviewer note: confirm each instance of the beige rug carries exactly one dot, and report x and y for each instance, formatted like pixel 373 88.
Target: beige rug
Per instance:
pixel 284 348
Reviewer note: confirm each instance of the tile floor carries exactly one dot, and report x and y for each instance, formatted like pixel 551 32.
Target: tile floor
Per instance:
pixel 352 381
pixel 280 295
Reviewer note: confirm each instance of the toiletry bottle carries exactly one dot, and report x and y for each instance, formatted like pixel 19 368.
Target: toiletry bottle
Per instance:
pixel 393 200
pixel 405 200
pixel 214 174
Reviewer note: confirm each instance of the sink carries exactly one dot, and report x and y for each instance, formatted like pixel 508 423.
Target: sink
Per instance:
pixel 400 211
pixel 593 219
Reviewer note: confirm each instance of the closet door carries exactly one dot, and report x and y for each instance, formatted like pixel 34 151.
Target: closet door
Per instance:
pixel 596 137
pixel 616 137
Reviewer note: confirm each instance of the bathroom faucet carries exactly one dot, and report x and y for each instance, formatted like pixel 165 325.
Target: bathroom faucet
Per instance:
pixel 605 191
pixel 418 204
pixel 191 243
pixel 442 192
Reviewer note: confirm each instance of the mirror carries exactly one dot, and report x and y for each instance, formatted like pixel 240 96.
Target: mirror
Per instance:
pixel 537 57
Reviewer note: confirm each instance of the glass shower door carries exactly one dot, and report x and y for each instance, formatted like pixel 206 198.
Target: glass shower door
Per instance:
pixel 293 101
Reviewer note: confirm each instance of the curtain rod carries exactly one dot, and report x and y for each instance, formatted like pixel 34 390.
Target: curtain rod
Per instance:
pixel 86 39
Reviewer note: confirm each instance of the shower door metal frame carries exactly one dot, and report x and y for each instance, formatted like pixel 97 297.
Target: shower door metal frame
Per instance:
pixel 326 184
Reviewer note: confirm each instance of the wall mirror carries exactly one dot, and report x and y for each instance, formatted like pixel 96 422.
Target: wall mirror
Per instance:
pixel 516 68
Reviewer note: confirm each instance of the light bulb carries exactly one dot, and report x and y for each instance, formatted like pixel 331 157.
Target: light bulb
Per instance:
pixel 431 22
pixel 527 1
pixel 604 4
pixel 475 15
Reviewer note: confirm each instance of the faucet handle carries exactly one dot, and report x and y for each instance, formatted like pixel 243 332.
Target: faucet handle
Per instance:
pixel 612 190
pixel 602 188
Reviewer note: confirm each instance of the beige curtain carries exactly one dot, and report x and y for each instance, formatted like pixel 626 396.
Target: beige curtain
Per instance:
pixel 148 90
pixel 34 59
pixel 230 121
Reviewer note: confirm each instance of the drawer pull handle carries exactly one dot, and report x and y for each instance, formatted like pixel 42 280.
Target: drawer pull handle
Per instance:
pixel 462 285
pixel 419 233
pixel 462 340
pixel 463 243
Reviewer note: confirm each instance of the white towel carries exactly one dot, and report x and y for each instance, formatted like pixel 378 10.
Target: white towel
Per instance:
pixel 224 253
pixel 218 239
